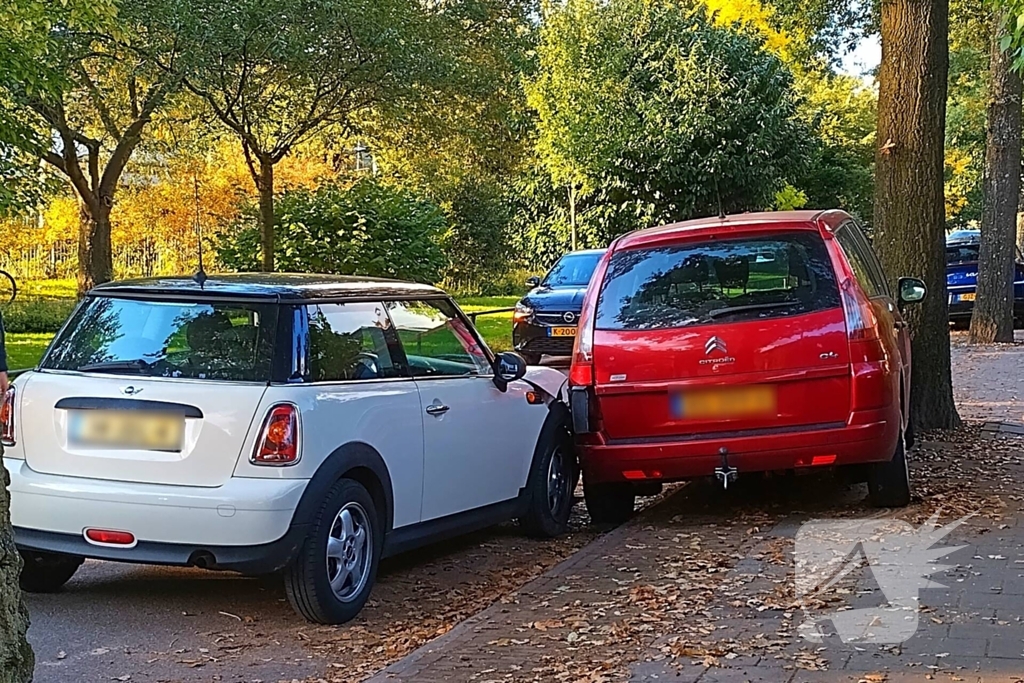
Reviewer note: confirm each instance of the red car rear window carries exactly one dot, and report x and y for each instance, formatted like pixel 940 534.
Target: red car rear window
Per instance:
pixel 699 283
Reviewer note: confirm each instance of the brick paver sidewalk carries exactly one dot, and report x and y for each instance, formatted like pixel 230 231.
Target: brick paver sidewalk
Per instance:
pixel 700 586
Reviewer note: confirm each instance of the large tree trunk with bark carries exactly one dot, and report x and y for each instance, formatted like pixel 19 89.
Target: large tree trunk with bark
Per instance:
pixel 265 185
pixel 992 320
pixel 909 207
pixel 16 658
pixel 95 257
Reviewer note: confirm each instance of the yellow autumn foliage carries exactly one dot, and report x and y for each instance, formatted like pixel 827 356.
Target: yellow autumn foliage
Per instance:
pixel 154 217
pixel 753 15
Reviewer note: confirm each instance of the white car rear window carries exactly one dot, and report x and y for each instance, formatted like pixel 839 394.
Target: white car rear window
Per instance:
pixel 197 340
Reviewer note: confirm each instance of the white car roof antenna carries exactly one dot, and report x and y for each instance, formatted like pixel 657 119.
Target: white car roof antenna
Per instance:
pixel 200 276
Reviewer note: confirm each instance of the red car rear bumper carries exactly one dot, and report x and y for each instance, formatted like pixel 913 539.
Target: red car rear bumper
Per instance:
pixel 869 437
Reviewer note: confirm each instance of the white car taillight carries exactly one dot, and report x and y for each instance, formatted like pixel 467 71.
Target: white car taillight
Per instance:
pixel 7 418
pixel 278 443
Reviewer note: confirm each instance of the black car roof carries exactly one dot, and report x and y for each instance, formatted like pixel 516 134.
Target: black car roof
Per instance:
pixel 275 286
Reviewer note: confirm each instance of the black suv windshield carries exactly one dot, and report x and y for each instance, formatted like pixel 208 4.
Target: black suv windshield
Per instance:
pixel 572 270
pixel 223 341
pixel 717 281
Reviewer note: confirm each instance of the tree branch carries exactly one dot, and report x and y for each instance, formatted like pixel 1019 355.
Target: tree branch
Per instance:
pixel 97 100
pixel 130 140
pixel 249 162
pixel 133 96
pixel 54 160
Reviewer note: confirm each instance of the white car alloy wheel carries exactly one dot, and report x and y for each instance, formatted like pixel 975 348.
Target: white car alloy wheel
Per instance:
pixel 557 481
pixel 330 579
pixel 349 552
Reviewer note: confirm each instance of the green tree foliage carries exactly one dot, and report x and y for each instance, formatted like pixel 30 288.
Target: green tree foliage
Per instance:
pixel 841 111
pixel 1014 38
pixel 368 229
pixel 475 241
pixel 966 111
pixel 79 85
pixel 829 27
pixel 277 72
pixel 464 147
pixel 649 113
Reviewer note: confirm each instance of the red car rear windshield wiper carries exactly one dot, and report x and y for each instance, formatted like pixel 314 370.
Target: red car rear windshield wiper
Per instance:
pixel 751 307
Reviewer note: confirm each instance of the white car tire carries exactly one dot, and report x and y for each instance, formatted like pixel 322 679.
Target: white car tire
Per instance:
pixel 552 481
pixel 331 578
pixel 47 572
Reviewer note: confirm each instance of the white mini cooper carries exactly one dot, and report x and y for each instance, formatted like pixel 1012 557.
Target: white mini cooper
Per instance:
pixel 262 423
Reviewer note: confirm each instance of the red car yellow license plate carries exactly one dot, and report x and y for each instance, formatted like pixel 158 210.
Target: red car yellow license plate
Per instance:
pixel 724 403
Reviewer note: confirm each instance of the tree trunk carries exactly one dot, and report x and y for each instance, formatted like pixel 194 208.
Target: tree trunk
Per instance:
pixel 16 658
pixel 992 320
pixel 95 259
pixel 572 215
pixel 909 207
pixel 265 185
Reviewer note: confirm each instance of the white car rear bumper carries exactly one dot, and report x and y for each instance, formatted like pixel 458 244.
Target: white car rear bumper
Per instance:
pixel 241 512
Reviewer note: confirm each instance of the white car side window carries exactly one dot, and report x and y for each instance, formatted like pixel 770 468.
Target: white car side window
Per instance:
pixel 436 340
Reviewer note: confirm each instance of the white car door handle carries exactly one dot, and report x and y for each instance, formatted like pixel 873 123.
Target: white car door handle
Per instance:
pixel 437 409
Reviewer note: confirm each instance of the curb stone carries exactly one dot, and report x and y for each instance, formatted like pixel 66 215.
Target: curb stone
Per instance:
pixel 422 657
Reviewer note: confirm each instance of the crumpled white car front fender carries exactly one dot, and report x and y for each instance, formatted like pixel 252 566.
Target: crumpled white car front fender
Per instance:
pixel 552 381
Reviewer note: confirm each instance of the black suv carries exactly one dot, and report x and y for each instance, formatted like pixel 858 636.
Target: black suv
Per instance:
pixel 544 322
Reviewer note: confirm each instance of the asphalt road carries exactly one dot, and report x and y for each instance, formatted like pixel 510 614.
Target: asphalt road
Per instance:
pixel 138 623
pixel 117 622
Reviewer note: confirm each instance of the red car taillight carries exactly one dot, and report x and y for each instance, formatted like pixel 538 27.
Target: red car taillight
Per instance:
pixel 581 373
pixel 870 381
pixel 861 324
pixel 278 443
pixel 7 418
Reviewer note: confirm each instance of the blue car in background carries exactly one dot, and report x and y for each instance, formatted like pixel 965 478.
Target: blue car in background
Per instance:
pixel 962 277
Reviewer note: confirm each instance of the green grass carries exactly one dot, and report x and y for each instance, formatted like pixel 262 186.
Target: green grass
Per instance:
pixel 481 303
pixel 25 350
pixel 496 329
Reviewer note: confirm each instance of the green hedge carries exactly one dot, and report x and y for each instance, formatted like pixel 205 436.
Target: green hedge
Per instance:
pixel 36 315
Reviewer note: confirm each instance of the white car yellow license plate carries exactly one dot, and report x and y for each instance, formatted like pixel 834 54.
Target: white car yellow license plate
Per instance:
pixel 561 331
pixel 122 429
